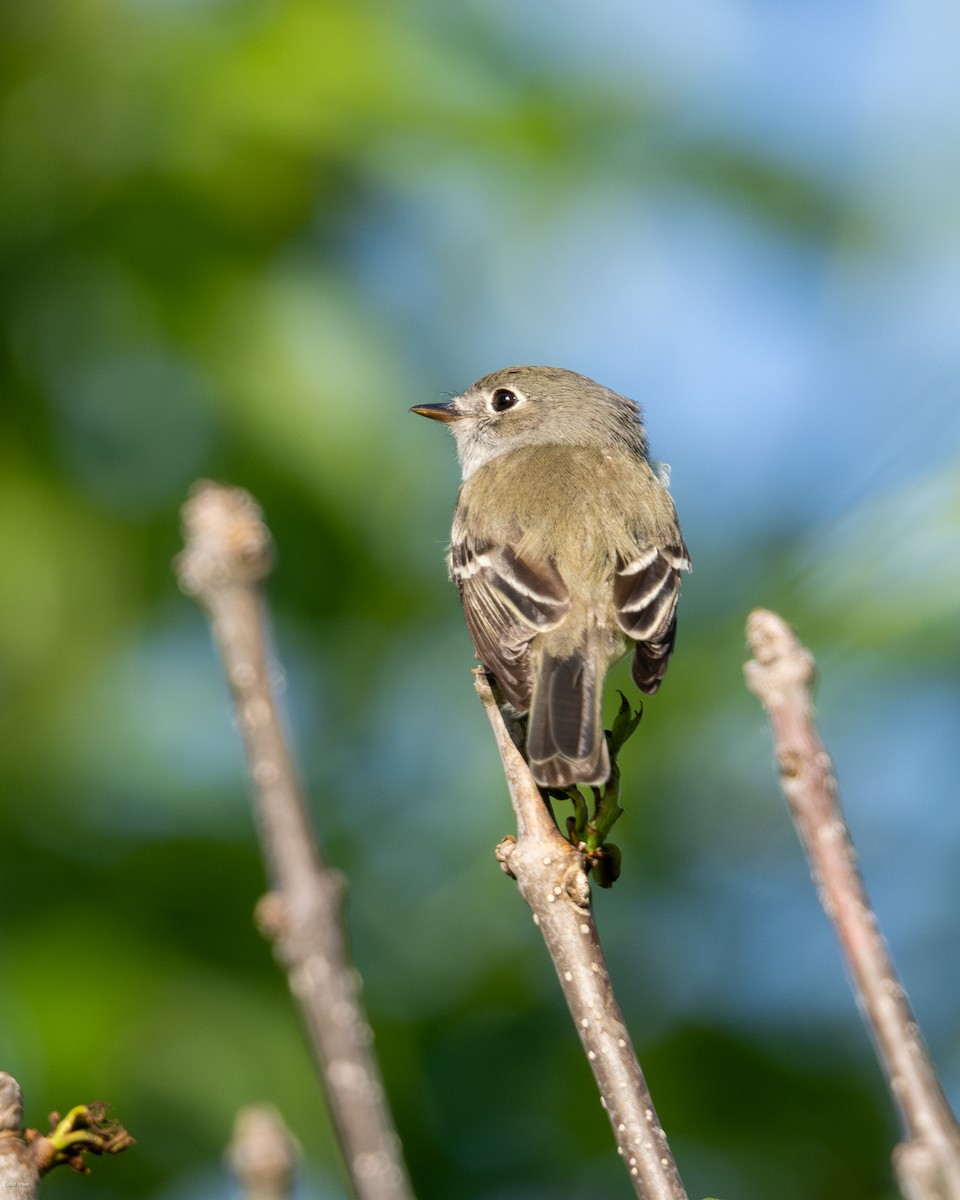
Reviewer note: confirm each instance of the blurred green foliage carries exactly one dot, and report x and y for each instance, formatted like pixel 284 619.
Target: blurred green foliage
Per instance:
pixel 197 280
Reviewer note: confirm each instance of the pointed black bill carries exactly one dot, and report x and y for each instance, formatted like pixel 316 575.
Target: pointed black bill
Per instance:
pixel 438 412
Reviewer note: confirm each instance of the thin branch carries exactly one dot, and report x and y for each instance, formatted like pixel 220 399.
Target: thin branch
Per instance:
pixel 228 553
pixel 551 875
pixel 781 674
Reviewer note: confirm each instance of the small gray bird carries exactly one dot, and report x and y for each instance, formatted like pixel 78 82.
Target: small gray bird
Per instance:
pixel 566 551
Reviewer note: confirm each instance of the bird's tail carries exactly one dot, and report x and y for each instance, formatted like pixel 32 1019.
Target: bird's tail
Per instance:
pixel 565 741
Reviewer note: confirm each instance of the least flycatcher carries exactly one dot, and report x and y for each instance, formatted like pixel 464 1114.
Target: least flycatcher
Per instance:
pixel 566 552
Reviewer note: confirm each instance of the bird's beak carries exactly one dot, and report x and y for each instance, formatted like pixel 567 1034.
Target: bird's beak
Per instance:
pixel 439 412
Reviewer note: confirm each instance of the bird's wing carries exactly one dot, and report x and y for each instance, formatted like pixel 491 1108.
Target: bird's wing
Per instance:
pixel 645 593
pixel 507 601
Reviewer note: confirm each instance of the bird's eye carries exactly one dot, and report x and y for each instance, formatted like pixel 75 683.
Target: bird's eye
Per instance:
pixel 502 399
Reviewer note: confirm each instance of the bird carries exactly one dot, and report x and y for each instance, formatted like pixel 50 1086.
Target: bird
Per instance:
pixel 566 551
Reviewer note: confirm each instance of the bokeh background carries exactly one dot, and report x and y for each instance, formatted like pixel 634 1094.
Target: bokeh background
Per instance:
pixel 239 239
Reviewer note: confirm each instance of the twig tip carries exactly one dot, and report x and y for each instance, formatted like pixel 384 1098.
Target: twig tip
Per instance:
pixel 225 539
pixel 779 657
pixel 769 636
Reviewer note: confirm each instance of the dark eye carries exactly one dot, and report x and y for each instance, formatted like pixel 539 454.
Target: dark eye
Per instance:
pixel 502 399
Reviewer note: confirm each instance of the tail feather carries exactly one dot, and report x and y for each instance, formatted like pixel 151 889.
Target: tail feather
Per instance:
pixel 565 741
pixel 651 658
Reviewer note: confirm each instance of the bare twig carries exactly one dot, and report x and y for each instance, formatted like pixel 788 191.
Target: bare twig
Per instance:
pixel 262 1154
pixel 228 552
pixel 781 674
pixel 551 875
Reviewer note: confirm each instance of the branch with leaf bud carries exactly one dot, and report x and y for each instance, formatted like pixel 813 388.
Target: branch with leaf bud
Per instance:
pixel 26 1155
pixel 552 875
